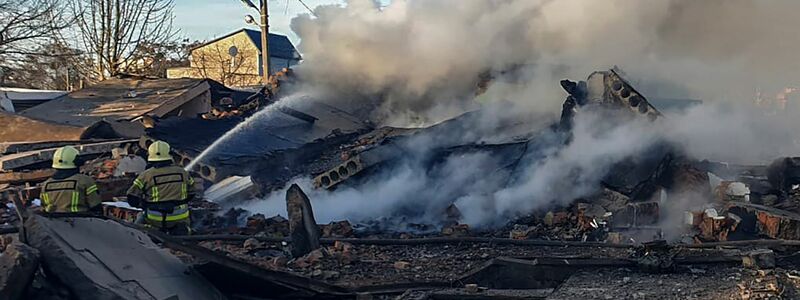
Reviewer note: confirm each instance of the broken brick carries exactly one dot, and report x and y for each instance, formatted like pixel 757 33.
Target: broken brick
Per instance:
pixel 771 222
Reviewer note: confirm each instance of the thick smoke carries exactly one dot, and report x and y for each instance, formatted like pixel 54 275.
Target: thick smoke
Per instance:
pixel 424 54
pixel 423 59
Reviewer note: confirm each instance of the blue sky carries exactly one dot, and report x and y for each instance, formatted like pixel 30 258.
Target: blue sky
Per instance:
pixel 207 19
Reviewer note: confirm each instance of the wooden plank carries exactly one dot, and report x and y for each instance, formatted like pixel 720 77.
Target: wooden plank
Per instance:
pixel 18 160
pixel 32 176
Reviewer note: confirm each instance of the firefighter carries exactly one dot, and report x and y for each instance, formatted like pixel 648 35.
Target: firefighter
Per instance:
pixel 163 191
pixel 69 191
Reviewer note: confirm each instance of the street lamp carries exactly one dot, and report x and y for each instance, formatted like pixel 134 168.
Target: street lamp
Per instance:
pixel 250 20
pixel 262 9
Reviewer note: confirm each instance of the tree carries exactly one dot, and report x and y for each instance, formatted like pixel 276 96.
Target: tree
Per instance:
pixel 153 59
pixel 54 71
pixel 25 23
pixel 111 32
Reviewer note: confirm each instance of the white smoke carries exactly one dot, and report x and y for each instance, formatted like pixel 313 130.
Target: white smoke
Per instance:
pixel 424 60
pixel 421 54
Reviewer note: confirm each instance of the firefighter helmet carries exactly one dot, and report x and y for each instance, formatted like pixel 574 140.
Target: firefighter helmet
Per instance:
pixel 64 158
pixel 158 151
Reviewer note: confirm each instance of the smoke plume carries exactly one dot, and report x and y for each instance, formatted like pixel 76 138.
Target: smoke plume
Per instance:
pixel 429 54
pixel 424 60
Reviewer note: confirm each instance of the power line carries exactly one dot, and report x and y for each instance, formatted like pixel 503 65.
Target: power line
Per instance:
pixel 308 8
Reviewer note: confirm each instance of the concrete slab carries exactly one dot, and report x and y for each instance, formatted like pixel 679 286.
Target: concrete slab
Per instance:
pixel 18 160
pixel 101 259
pixel 18 263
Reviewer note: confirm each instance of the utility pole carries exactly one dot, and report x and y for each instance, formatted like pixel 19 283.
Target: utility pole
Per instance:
pixel 264 41
pixel 262 9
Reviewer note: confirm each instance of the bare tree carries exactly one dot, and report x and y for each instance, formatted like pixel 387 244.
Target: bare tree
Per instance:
pixel 54 71
pixel 111 31
pixel 25 23
pixel 153 59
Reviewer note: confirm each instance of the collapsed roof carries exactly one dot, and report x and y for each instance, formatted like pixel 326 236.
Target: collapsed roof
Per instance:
pixel 18 128
pixel 126 99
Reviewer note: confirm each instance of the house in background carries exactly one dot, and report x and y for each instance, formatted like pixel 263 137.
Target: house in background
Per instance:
pixel 235 59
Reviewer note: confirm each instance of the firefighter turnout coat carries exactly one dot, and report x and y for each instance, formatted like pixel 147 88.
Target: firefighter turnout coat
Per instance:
pixel 163 185
pixel 76 193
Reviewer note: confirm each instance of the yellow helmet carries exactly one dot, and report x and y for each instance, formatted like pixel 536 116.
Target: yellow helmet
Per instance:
pixel 64 158
pixel 158 151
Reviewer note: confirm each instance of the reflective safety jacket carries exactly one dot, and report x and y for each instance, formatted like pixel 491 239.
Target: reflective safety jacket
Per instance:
pixel 161 186
pixel 76 193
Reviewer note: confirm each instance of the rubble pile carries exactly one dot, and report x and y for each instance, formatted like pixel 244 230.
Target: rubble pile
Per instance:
pixel 662 224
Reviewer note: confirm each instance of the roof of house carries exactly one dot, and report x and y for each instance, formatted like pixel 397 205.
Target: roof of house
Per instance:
pixel 279 45
pixel 18 128
pixel 288 127
pixel 118 99
pixel 27 98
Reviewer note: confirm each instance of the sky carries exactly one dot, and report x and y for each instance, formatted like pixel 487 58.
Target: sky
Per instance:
pixel 208 19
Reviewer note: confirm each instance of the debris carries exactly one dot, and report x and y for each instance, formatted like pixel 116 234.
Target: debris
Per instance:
pixel 768 221
pixel 656 257
pixel 256 223
pixel 556 218
pixel 121 211
pixel 783 173
pixel 18 263
pixel 452 214
pixel 22 176
pixel 131 164
pixel 337 229
pixel 252 244
pixel 471 288
pixel 234 188
pixel 309 259
pixel 520 232
pixel 85 252
pixel 759 259
pixel 732 191
pixel 638 214
pixel 456 230
pixel 18 160
pixel 401 265
pixel 305 233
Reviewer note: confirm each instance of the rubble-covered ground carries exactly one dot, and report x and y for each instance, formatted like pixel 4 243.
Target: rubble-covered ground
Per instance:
pixel 656 223
pixel 364 265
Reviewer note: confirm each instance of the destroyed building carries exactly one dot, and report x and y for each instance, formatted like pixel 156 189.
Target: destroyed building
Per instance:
pixel 608 241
